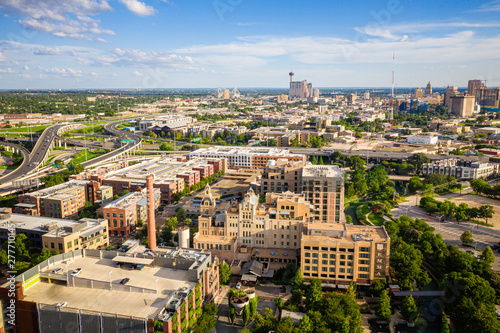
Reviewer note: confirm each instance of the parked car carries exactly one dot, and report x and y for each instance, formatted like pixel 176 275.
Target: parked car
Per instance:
pixel 238 285
pixel 495 247
pixel 124 281
pixel 139 267
pixel 76 272
pixel 62 304
pixel 57 270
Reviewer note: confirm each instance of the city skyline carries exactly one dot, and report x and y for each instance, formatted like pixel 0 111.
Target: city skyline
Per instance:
pixel 200 44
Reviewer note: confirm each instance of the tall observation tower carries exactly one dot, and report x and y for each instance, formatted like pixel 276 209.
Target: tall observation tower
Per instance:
pixel 291 76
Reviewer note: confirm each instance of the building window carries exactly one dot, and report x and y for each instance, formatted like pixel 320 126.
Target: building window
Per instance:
pixel 60 246
pixel 69 244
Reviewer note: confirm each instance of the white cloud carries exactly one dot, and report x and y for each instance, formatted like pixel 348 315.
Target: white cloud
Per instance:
pixel 53 16
pixel 54 9
pixel 137 73
pixel 6 70
pixel 2 57
pixel 26 68
pixel 45 50
pixel 138 8
pixel 489 7
pixel 64 71
pixel 70 29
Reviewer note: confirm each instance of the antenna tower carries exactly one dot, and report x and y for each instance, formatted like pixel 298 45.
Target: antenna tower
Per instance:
pixel 392 91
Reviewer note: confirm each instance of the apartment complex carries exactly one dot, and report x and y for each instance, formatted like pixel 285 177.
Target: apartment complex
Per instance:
pixel 124 213
pixel 60 201
pixel 268 231
pixel 281 176
pixel 56 234
pixel 340 253
pixel 166 294
pixel 461 169
pixel 246 157
pixel 171 175
pixel 321 185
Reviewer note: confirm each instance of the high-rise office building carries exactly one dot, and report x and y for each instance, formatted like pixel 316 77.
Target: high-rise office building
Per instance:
pixel 300 89
pixel 428 89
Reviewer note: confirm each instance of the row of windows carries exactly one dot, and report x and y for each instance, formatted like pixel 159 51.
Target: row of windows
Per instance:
pixel 341 277
pixel 334 249
pixel 214 246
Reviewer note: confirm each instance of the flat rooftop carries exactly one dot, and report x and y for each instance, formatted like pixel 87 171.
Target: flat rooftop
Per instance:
pixel 165 280
pixel 58 189
pixel 226 151
pixel 322 171
pixel 34 223
pixel 345 232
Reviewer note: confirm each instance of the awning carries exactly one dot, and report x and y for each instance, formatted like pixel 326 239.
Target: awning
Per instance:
pixel 25 205
pixel 284 212
pixel 133 260
pixel 249 277
pixel 91 232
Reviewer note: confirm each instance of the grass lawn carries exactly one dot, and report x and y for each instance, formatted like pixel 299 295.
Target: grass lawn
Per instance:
pixel 364 209
pixel 376 219
pixel 350 209
pixel 8 167
pixel 25 129
pixel 80 156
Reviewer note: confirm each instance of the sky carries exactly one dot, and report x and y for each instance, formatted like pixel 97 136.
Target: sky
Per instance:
pixel 154 44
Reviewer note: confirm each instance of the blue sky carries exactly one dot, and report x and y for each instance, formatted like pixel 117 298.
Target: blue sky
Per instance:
pixel 70 44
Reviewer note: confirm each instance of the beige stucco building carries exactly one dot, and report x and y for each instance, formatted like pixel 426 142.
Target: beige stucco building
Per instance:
pixel 340 253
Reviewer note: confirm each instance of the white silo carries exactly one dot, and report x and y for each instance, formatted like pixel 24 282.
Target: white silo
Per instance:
pixel 183 237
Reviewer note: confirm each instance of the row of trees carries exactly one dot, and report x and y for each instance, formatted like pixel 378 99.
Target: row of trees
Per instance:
pixel 471 286
pixel 480 186
pixel 460 212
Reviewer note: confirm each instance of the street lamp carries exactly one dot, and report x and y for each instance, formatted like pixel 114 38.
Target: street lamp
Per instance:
pixel 110 279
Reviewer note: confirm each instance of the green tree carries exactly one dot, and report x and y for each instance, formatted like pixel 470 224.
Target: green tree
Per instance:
pixel 232 314
pixel 313 294
pixel 384 307
pixel 171 223
pixel 296 296
pixel 415 185
pixel 285 326
pixel 320 162
pixel 246 315
pixel 278 302
pixel 253 303
pixel 418 160
pixel 467 238
pixel 224 273
pixel 297 281
pixel 409 309
pixel 181 214
pixel 305 325
pixel 487 257
pixel 207 321
pixel 486 212
pixel 313 160
pixel 377 286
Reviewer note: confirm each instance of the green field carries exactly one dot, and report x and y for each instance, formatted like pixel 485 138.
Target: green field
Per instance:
pixel 376 219
pixel 24 129
pixel 80 156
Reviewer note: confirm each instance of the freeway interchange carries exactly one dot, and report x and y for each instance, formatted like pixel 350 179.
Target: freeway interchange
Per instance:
pixel 33 160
